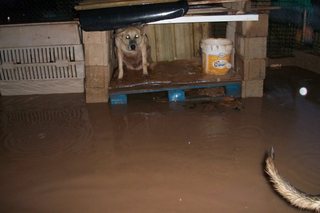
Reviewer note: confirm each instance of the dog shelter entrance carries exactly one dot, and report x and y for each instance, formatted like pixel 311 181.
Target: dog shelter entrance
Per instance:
pixel 176 75
pixel 178 78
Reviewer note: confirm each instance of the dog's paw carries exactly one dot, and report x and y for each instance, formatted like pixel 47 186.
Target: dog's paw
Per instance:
pixel 145 75
pixel 120 77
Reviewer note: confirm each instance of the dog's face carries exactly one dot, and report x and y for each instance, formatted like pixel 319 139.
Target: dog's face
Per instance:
pixel 131 37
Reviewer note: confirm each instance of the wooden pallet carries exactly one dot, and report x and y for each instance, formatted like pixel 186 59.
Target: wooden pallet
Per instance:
pixel 175 78
pixel 176 93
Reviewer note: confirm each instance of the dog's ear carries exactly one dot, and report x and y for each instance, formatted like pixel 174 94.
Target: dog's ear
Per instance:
pixel 119 30
pixel 143 29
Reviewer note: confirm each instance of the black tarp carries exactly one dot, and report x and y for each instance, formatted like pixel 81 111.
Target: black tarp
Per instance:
pixel 118 17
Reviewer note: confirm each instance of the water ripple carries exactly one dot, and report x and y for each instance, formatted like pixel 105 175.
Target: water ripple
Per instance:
pixel 45 133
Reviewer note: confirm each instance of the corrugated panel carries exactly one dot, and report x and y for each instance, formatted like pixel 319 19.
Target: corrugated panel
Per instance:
pixel 41 63
pixel 43 54
pixel 41 72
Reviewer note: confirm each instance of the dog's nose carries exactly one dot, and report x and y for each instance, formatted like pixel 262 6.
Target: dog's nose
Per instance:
pixel 133 47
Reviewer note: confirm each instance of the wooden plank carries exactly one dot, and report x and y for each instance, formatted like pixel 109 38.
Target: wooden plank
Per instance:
pixel 97 46
pixel 261 3
pixel 96 76
pixel 183 41
pixel 96 95
pixel 176 93
pixel 174 72
pixel 264 8
pixel 251 48
pixel 210 10
pixel 252 88
pixel 201 2
pixel 200 31
pixel 250 69
pixel 98 4
pixel 164 42
pixel 96 54
pixel 40 34
pixel 206 30
pixel 197 37
pixel 162 88
pixel 30 87
pixel 180 41
pixel 254 28
pixel 151 33
pixel 96 37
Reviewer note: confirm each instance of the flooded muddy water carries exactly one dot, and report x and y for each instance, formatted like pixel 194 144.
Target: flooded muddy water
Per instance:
pixel 59 154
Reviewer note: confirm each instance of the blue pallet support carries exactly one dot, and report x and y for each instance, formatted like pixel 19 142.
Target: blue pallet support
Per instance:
pixel 233 90
pixel 176 95
pixel 118 99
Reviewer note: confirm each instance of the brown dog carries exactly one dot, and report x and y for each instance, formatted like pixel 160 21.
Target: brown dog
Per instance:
pixel 132 49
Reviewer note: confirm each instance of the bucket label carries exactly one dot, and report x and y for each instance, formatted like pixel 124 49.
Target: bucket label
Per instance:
pixel 218 65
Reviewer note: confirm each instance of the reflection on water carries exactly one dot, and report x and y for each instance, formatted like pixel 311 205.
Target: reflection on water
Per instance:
pixel 39 127
pixel 284 86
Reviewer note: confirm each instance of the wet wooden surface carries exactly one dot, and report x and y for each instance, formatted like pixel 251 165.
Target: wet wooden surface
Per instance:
pixel 169 74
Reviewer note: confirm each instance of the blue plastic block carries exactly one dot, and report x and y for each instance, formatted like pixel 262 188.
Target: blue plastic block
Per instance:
pixel 233 90
pixel 176 95
pixel 118 99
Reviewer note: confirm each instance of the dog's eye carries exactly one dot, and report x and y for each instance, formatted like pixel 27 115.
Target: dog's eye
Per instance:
pixel 136 36
pixel 127 37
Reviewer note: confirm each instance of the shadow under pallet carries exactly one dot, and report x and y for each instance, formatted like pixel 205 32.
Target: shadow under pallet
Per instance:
pixel 175 78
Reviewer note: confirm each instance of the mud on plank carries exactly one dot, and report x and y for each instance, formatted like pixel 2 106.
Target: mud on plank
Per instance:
pixel 176 78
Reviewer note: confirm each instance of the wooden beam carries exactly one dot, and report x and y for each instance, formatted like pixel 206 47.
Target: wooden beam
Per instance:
pixel 99 4
pixel 211 10
pixel 201 2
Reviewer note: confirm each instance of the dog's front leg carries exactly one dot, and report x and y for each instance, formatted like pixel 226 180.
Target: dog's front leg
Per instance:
pixel 120 64
pixel 144 60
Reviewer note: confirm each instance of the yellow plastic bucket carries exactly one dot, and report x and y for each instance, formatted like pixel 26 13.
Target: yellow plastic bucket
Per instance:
pixel 216 55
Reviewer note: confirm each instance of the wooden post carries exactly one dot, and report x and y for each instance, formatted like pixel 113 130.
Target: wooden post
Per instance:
pixel 98 64
pixel 251 53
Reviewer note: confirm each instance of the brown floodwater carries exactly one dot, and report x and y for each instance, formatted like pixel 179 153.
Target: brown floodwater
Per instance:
pixel 59 154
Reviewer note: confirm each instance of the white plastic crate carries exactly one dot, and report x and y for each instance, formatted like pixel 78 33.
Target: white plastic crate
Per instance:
pixel 44 69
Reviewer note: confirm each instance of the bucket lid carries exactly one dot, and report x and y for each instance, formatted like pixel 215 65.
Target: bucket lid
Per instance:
pixel 216 41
